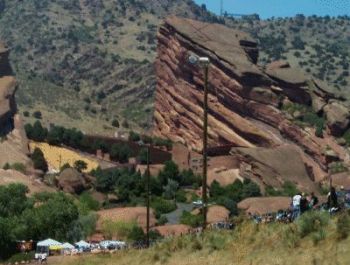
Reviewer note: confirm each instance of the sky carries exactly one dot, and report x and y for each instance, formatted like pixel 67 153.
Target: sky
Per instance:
pixel 280 8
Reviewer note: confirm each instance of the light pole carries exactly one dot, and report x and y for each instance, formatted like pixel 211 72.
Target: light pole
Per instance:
pixel 204 62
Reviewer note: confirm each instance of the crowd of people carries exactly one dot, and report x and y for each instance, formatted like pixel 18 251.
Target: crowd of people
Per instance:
pixel 301 203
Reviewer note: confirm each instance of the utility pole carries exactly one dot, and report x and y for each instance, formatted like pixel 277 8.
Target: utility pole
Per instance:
pixel 148 196
pixel 205 145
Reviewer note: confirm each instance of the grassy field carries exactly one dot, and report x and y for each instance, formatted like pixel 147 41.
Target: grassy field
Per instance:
pixel 58 156
pixel 248 244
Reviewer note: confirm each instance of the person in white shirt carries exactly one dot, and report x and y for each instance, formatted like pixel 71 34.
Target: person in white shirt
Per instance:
pixel 296 205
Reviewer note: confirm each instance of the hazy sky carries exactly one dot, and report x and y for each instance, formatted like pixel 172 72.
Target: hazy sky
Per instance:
pixel 281 8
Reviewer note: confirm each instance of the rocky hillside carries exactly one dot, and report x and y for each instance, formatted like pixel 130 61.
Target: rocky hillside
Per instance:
pixel 318 45
pixel 249 106
pixel 87 63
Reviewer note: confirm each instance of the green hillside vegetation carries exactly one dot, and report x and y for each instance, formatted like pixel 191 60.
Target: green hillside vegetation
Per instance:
pixel 89 64
pixel 87 60
pixel 314 239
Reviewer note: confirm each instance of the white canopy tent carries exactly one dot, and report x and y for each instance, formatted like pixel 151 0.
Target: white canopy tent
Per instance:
pixel 68 246
pixel 48 243
pixel 82 244
pixel 107 243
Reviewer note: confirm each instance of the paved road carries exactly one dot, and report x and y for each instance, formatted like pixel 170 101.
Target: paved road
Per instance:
pixel 174 217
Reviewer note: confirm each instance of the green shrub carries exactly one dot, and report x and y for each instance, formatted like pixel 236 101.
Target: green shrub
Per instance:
pixel 88 202
pixel 123 230
pixel 80 165
pixel 337 167
pixel 312 222
pixel 115 123
pixel 19 257
pixel 120 152
pixel 181 196
pixel 343 226
pixel 318 236
pixel 189 219
pixel 162 206
pixel 291 236
pixel 346 137
pixel 134 137
pixel 289 189
pixel 18 167
pixel 162 220
pixel 196 244
pixel 39 160
pixel 215 241
pixel 65 166
pixel 37 115
pixel 6 166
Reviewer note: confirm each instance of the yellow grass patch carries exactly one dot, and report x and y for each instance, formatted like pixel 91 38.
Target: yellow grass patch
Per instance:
pixel 56 157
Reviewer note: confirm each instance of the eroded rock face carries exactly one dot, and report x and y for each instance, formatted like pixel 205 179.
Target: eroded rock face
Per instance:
pixel 244 99
pixel 7 93
pixel 272 167
pixel 14 143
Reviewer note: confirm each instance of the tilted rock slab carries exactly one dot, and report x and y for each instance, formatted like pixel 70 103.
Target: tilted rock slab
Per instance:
pixel 244 99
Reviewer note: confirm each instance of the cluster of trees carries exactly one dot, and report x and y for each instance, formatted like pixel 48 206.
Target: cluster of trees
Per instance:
pixel 156 141
pixel 130 186
pixel 121 152
pixel 40 216
pixel 230 195
pixel 227 196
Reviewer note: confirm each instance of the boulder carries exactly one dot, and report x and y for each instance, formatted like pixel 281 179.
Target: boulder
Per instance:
pixel 215 214
pixel 338 118
pixel 274 166
pixel 264 205
pixel 71 181
pixel 331 156
pixel 318 103
pixel 282 71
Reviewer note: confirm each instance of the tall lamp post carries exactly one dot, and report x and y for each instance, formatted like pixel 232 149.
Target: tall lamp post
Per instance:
pixel 204 62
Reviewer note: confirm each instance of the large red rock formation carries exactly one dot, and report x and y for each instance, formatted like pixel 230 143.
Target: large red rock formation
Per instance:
pixel 7 92
pixel 245 101
pixel 13 144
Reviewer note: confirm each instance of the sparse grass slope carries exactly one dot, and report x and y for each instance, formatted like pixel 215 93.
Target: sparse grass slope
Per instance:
pixel 249 244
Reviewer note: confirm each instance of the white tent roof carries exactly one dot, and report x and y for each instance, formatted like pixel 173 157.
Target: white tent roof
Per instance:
pixel 82 244
pixel 48 242
pixel 107 243
pixel 67 246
